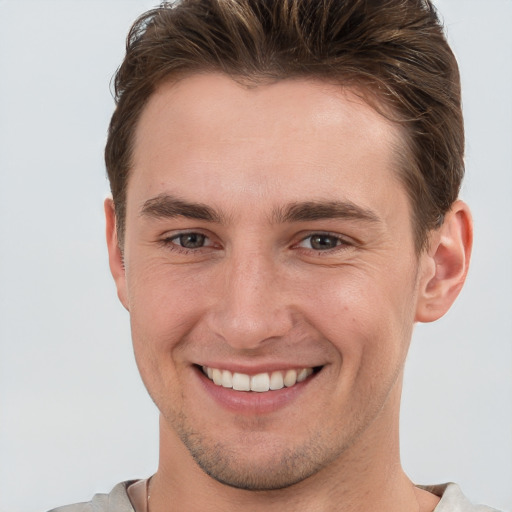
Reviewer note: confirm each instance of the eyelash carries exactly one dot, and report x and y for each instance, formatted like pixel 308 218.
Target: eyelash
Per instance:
pixel 341 243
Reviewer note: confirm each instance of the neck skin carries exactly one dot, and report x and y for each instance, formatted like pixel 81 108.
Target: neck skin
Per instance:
pixel 367 476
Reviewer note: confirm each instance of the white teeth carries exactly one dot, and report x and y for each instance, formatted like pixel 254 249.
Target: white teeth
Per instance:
pixel 303 374
pixel 217 377
pixel 290 378
pixel 227 379
pixel 241 382
pixel 260 383
pixel 276 381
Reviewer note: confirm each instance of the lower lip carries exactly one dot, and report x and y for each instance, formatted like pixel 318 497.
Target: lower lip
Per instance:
pixel 252 402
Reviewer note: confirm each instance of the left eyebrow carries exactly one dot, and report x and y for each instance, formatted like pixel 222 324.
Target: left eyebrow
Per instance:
pixel 320 210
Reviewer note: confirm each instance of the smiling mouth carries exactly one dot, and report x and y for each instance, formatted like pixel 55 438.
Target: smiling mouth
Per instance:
pixel 261 382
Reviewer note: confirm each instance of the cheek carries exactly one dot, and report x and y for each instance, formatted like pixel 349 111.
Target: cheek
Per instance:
pixel 162 297
pixel 367 316
pixel 163 310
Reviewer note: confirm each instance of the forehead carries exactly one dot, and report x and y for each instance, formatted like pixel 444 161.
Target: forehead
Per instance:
pixel 208 100
pixel 212 133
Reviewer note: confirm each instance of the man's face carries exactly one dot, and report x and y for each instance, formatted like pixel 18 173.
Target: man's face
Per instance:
pixel 268 237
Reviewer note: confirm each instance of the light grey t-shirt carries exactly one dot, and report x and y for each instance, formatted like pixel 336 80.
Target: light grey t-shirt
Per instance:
pixel 452 500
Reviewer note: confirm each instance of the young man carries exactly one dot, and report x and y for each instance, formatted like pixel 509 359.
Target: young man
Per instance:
pixel 285 178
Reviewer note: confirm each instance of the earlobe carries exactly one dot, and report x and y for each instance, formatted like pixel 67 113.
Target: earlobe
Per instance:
pixel 115 255
pixel 445 264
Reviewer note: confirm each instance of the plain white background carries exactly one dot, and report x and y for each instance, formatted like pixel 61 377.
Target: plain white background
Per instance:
pixel 74 417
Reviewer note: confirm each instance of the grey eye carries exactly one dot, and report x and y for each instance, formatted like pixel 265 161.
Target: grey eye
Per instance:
pixel 323 242
pixel 191 240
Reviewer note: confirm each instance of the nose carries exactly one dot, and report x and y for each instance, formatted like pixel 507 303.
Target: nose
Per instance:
pixel 251 305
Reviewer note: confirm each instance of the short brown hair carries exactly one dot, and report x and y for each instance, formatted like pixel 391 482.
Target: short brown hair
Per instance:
pixel 393 50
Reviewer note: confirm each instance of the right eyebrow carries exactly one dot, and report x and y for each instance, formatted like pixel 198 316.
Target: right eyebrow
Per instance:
pixel 166 206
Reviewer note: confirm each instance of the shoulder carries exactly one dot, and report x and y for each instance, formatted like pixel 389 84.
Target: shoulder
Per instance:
pixel 453 500
pixel 115 501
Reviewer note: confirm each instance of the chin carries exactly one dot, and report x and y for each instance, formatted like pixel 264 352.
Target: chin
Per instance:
pixel 261 465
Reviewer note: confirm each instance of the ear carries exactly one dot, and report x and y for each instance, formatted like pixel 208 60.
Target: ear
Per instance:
pixel 445 264
pixel 115 255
